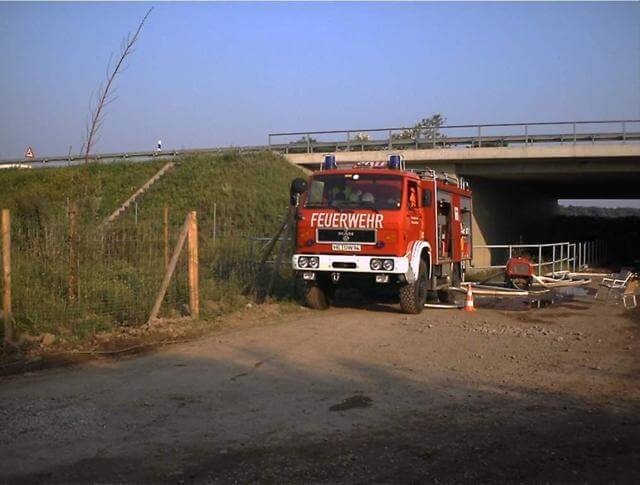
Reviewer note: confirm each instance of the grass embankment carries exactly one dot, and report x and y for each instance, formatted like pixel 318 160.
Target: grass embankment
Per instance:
pixel 43 193
pixel 121 266
pixel 249 192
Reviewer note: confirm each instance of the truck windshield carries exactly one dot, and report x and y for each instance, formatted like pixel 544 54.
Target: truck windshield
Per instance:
pixel 355 191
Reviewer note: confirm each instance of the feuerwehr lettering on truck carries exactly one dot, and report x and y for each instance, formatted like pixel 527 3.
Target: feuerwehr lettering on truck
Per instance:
pixel 346 220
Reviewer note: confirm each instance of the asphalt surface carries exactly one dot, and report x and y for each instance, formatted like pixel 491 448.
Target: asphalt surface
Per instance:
pixel 506 394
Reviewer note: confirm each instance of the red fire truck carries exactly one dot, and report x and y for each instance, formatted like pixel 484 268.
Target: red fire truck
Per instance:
pixel 378 224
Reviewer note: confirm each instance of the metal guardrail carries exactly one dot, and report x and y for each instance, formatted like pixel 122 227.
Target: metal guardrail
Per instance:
pixel 563 256
pixel 473 136
pixel 476 135
pixel 70 160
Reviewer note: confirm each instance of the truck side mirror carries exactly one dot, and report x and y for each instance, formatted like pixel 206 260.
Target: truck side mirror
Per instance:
pixel 298 187
pixel 426 198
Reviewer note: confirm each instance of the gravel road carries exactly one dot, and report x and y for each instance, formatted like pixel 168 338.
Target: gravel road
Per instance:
pixel 361 394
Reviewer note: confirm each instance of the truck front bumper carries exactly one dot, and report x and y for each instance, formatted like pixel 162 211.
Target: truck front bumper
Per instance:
pixel 345 263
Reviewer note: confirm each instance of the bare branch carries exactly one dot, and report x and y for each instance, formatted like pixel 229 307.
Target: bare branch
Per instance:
pixel 103 96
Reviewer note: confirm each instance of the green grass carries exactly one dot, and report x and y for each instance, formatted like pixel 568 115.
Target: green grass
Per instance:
pixel 250 193
pixel 121 265
pixel 43 193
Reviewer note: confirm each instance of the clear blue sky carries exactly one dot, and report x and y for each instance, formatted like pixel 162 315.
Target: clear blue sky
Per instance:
pixel 209 74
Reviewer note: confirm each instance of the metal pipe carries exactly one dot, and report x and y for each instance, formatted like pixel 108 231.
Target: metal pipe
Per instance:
pixel 539 260
pixel 586 253
pixel 578 253
pixel 448 306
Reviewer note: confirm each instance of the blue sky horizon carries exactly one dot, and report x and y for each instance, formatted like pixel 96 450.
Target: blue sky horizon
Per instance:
pixel 227 74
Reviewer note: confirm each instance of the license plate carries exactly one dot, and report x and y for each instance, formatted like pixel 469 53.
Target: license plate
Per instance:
pixel 346 247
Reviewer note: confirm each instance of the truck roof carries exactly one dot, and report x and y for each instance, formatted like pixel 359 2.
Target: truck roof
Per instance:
pixel 444 181
pixel 365 170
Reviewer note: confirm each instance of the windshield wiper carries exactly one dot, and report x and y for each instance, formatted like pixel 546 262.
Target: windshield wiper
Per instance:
pixel 356 205
pixel 369 205
pixel 323 206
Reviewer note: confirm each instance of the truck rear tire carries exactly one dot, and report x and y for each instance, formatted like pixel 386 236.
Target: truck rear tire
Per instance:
pixel 413 296
pixel 316 297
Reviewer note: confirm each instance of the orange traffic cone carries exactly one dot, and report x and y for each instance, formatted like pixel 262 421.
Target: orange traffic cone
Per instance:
pixel 468 302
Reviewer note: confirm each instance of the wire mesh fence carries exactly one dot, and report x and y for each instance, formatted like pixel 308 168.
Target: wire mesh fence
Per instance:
pixel 82 277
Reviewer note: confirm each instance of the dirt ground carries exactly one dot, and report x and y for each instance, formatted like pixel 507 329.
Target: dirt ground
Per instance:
pixel 353 394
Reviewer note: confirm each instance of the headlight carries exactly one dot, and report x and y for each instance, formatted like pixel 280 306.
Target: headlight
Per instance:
pixel 376 264
pixel 303 261
pixel 387 265
pixel 314 262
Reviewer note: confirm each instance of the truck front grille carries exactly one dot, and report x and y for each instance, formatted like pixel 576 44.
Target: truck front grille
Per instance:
pixel 344 265
pixel 362 236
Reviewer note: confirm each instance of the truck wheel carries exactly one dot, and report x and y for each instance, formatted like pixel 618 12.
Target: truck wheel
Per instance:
pixel 316 297
pixel 413 296
pixel 448 296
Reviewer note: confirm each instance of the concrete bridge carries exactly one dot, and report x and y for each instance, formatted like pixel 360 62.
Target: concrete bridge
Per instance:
pixel 517 179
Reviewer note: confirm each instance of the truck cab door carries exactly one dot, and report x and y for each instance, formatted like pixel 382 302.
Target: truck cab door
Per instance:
pixel 445 226
pixel 413 214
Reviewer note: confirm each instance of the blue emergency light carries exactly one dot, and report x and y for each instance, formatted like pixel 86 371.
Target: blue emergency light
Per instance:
pixel 329 162
pixel 395 162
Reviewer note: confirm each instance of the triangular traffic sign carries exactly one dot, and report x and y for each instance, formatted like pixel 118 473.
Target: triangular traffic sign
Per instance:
pixel 29 153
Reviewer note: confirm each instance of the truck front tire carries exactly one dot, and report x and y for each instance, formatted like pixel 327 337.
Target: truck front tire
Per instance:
pixel 413 296
pixel 316 297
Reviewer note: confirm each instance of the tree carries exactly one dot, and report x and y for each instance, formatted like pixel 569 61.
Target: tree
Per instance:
pixel 304 140
pixel 426 129
pixel 361 137
pixel 105 95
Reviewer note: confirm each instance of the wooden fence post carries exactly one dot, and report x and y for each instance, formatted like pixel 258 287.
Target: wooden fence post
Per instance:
pixel 194 287
pixel 169 271
pixel 166 236
pixel 73 252
pixel 7 315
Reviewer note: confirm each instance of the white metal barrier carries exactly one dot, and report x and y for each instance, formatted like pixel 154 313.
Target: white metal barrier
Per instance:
pixel 550 257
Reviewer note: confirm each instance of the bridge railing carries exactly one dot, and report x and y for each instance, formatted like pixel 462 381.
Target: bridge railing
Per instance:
pixel 447 136
pixel 457 136
pixel 72 160
pixel 548 258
